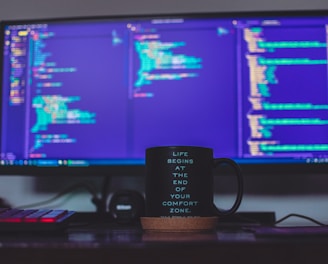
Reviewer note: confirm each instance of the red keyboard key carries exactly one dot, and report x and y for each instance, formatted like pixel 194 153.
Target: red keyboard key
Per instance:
pixel 8 213
pixel 53 216
pixel 18 217
pixel 34 217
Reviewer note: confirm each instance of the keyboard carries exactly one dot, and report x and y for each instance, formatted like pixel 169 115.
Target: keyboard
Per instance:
pixel 12 219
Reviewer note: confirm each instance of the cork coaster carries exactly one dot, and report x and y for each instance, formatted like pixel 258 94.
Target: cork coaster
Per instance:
pixel 178 224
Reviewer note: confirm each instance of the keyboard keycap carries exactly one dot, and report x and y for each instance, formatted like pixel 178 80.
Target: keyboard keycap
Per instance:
pixel 52 216
pixel 34 217
pixel 18 217
pixel 8 213
pixel 13 219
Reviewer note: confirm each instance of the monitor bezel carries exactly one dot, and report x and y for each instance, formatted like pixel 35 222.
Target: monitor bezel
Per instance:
pixel 138 168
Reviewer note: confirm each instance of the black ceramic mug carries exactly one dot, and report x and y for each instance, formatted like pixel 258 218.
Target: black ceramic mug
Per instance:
pixel 179 182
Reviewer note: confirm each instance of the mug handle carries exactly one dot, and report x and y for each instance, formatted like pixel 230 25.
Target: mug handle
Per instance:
pixel 240 186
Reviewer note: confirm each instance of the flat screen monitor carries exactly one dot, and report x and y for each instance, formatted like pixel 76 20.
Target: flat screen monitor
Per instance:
pixel 87 96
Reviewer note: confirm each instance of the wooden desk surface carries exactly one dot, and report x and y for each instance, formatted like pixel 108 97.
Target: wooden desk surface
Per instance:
pixel 107 243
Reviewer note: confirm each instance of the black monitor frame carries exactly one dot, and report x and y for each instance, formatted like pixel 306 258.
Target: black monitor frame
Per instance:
pixel 139 169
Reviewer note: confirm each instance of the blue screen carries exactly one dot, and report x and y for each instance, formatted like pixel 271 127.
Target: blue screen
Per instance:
pixel 99 91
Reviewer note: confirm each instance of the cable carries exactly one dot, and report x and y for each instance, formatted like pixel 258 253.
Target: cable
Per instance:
pixel 101 202
pixel 62 193
pixel 300 216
